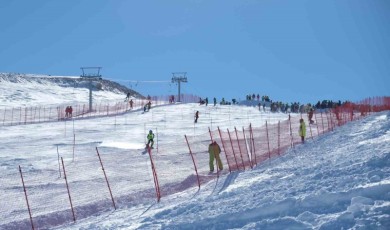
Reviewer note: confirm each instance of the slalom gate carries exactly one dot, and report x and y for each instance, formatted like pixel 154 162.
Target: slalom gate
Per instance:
pixel 96 182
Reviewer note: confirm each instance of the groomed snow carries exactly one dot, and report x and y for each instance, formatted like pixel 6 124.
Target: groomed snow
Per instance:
pixel 340 180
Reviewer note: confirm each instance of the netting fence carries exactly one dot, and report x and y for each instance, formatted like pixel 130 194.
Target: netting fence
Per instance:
pixel 98 181
pixel 39 114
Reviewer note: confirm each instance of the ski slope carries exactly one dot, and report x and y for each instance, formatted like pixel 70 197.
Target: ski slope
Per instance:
pixel 340 180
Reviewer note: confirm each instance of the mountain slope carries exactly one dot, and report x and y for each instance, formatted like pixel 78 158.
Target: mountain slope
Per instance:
pixel 31 90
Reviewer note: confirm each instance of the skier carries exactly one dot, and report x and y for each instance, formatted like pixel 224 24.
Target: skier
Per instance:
pixel 149 105
pixel 311 116
pixel 302 130
pixel 131 103
pixel 215 101
pixel 150 138
pixel 214 151
pixel 196 116
pixel 127 96
pixel 207 101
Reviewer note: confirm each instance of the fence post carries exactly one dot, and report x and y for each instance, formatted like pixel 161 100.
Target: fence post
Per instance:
pixel 157 186
pixel 239 148
pixel 247 150
pixel 322 121
pixel 224 149
pixel 156 137
pixel 193 160
pixel 327 119
pixel 25 194
pixel 252 139
pixel 315 117
pixel 211 137
pixel 67 187
pixel 291 136
pixel 269 150
pixel 331 120
pixel 74 144
pixel 234 154
pixel 105 176
pixel 59 165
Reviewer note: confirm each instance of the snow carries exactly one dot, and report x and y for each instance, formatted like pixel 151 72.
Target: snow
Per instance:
pixel 339 180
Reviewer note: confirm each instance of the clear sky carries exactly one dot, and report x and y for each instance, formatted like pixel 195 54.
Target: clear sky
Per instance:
pixel 291 50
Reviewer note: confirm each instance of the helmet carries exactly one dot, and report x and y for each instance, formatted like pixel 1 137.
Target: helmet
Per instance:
pixel 150 131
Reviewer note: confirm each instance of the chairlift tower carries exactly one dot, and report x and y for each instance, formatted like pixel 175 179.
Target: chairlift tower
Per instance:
pixel 91 74
pixel 179 77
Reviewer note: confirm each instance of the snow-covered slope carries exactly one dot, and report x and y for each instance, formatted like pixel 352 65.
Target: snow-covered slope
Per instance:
pixel 340 180
pixel 32 90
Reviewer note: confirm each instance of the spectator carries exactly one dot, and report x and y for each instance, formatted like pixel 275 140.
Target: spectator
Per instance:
pixel 302 130
pixel 67 111
pixel 131 103
pixel 311 111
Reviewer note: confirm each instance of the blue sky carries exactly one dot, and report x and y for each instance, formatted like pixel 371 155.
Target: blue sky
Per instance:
pixel 290 50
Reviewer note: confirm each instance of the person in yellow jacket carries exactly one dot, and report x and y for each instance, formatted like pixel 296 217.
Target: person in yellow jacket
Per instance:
pixel 214 151
pixel 302 130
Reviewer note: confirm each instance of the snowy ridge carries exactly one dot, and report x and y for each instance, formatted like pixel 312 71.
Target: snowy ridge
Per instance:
pixel 32 89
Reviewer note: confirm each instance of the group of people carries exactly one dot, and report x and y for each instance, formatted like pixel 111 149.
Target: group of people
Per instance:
pixel 68 112
pixel 171 99
pixel 254 97
pixel 214 149
pixel 205 101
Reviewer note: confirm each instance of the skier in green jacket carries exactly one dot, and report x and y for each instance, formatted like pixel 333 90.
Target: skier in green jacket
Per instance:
pixel 214 151
pixel 150 139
